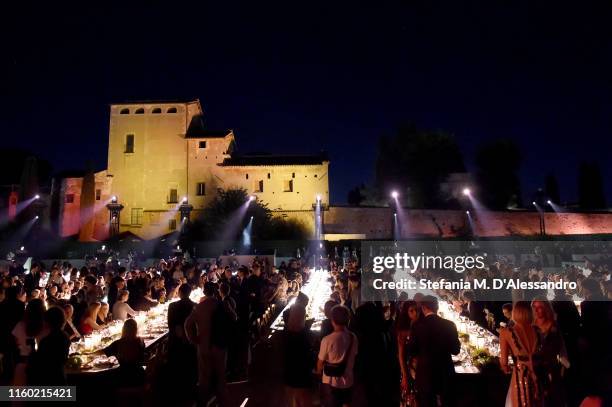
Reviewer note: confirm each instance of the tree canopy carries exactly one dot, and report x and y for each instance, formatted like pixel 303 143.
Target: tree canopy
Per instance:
pixel 415 162
pixel 227 215
pixel 498 163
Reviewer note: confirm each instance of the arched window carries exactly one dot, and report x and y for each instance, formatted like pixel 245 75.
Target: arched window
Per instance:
pixel 157 110
pixel 125 111
pixel 171 110
pixel 139 111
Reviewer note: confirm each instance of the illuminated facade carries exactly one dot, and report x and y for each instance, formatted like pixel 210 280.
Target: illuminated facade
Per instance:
pixel 160 153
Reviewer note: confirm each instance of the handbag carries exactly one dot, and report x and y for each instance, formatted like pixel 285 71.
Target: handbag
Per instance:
pixel 337 369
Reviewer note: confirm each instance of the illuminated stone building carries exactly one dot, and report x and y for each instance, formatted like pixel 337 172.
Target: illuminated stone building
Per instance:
pixel 160 153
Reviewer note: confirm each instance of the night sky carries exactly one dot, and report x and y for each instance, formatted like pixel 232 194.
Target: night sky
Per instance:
pixel 331 75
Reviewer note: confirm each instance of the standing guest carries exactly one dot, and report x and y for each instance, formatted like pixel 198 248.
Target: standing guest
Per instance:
pixel 596 315
pixel 433 341
pixel 407 317
pixel 255 289
pixel 12 309
pixel 31 280
pixel 181 353
pixel 326 324
pixel 88 320
pixel 121 309
pixel 298 360
pixel 228 320
pixel 338 348
pixel 46 366
pixel 130 352
pixel 354 291
pixel 520 341
pixel 507 312
pixel 568 322
pixel 211 358
pixel 552 354
pixel 228 302
pixel 474 309
pixel 69 328
pixel 27 333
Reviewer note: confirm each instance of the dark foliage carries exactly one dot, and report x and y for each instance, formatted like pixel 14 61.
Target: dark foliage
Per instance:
pixel 498 164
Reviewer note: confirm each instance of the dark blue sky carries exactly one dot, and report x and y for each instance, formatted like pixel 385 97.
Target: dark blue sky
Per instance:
pixel 333 75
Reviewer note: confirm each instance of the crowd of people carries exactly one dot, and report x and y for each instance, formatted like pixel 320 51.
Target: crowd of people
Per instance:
pixel 399 352
pixel 44 309
pixel 366 353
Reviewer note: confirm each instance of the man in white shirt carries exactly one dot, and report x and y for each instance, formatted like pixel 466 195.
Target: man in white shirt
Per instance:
pixel 339 347
pixel 121 309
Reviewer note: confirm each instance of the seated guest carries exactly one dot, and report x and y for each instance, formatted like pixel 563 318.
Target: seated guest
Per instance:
pixel 46 366
pixel 130 352
pixel 52 298
pixel 158 292
pixel 145 302
pixel 102 316
pixel 71 331
pixel 121 309
pixel 88 320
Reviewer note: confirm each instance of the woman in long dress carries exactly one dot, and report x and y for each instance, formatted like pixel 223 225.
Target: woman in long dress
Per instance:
pixel 521 343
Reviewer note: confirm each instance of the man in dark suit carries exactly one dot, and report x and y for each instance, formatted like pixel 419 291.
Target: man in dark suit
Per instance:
pixel 433 341
pixel 181 353
pixel 32 279
pixel 474 310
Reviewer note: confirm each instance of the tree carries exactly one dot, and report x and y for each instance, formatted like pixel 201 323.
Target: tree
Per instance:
pixel 88 201
pixel 498 163
pixel 414 162
pixel 355 197
pixel 227 215
pixel 29 178
pixel 590 186
pixel 551 188
pixel 287 229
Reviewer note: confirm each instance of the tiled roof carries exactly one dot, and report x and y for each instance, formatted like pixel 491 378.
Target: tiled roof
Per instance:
pixel 273 159
pixel 197 129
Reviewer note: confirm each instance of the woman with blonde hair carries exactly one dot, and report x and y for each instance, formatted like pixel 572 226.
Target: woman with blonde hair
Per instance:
pixel 552 353
pixel 520 342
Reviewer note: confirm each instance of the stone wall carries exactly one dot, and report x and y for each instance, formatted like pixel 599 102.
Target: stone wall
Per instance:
pixel 376 223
